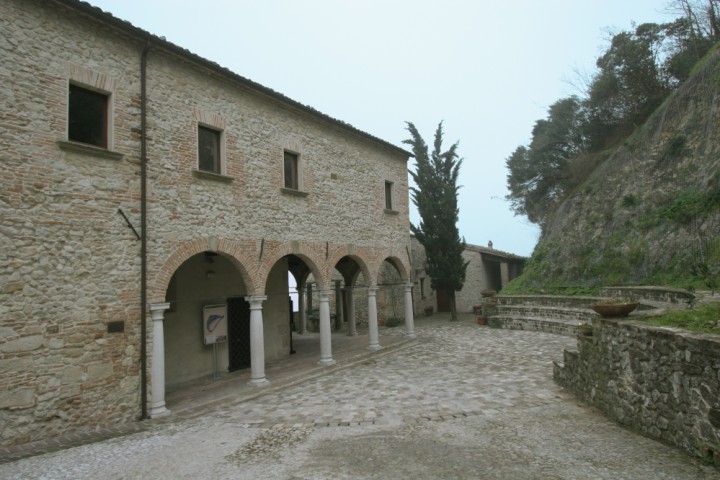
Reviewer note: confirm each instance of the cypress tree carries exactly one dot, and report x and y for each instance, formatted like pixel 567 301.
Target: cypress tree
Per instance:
pixel 435 195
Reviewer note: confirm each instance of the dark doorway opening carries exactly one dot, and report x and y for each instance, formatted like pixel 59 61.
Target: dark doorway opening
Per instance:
pixel 443 300
pixel 238 333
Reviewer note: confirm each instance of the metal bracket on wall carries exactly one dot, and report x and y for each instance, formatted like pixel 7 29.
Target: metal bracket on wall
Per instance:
pixel 128 223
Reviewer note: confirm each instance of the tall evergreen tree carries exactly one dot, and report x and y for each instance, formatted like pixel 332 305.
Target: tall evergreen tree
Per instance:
pixel 435 196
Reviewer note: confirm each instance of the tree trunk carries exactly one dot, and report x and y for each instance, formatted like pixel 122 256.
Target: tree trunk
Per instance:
pixel 453 311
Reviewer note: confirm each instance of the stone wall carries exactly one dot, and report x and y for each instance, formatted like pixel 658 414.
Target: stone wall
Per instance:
pixel 662 382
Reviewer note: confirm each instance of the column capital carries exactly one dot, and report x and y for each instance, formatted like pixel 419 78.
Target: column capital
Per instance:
pixel 157 310
pixel 372 289
pixel 325 295
pixel 255 301
pixel 408 287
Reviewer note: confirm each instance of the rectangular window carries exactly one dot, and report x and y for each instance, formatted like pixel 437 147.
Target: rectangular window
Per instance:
pixel 208 150
pixel 291 171
pixel 388 195
pixel 88 116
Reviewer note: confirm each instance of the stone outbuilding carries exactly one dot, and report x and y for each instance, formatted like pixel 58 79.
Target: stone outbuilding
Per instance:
pixel 488 269
pixel 152 204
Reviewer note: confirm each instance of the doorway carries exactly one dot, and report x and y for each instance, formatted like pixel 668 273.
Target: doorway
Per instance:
pixel 238 333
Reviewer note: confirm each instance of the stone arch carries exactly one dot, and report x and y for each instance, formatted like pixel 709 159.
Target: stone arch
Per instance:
pixel 301 250
pixel 403 268
pixel 233 252
pixel 356 254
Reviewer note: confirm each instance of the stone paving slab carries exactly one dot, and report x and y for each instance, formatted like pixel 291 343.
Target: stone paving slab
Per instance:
pixel 460 402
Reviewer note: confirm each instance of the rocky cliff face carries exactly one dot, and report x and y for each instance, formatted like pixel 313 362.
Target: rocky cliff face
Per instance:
pixel 651 210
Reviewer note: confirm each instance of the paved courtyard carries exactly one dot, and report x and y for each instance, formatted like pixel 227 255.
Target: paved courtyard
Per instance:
pixel 460 402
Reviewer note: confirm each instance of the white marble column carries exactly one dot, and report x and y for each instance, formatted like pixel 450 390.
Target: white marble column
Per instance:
pixel 257 341
pixel 352 328
pixel 301 310
pixel 157 389
pixel 409 320
pixel 372 318
pixel 325 334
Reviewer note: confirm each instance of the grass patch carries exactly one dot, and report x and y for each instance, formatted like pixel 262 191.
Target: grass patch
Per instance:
pixel 702 319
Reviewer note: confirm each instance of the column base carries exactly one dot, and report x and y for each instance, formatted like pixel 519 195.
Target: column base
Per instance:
pixel 259 382
pixel 410 335
pixel 352 334
pixel 158 411
pixel 326 361
pixel 375 347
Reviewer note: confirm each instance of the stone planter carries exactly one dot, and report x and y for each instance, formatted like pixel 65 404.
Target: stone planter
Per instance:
pixel 614 310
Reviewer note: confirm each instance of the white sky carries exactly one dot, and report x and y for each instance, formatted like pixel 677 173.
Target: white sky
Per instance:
pixel 489 70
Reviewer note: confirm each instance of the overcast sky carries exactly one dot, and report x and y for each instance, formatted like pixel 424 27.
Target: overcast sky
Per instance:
pixel 488 70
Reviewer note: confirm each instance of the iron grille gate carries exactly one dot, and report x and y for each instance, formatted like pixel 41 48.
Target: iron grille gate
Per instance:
pixel 238 333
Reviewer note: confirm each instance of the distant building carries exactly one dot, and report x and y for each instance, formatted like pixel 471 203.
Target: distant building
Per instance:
pixel 489 269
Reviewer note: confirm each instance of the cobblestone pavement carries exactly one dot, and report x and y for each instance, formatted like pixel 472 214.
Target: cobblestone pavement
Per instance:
pixel 462 402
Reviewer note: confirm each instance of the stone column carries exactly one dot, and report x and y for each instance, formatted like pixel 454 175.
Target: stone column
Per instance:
pixel 352 328
pixel 157 389
pixel 301 310
pixel 257 341
pixel 409 320
pixel 325 334
pixel 372 318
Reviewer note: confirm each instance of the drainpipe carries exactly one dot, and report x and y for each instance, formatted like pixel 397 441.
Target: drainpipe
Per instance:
pixel 143 229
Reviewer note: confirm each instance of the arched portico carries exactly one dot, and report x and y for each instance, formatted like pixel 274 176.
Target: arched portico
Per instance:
pixel 192 279
pixel 403 270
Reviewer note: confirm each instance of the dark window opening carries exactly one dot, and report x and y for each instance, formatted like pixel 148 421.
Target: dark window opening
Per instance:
pixel 208 149
pixel 291 171
pixel 388 196
pixel 87 116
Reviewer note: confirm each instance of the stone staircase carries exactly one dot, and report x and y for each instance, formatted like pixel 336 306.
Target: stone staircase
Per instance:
pixel 561 315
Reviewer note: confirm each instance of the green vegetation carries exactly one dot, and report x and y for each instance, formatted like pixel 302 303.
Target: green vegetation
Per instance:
pixel 634 76
pixel 702 319
pixel 436 200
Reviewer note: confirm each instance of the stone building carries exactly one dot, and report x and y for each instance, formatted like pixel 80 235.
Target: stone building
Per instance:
pixel 488 269
pixel 152 203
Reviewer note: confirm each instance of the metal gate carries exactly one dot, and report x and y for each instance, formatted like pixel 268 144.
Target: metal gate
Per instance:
pixel 238 333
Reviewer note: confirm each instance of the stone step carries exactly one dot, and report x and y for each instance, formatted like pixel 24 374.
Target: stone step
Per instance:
pixel 535 324
pixel 547 312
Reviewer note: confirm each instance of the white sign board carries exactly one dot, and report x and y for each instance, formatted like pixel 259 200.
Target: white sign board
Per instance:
pixel 214 323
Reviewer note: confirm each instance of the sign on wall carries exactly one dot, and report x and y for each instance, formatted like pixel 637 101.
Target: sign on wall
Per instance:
pixel 214 323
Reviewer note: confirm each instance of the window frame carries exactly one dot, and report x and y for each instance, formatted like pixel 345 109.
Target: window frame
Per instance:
pixel 389 196
pixel 106 115
pixel 296 177
pixel 219 160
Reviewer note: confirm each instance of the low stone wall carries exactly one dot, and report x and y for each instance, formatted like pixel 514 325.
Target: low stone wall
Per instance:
pixel 653 294
pixel 662 382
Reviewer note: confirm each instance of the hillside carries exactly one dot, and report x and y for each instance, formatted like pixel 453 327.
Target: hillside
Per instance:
pixel 651 210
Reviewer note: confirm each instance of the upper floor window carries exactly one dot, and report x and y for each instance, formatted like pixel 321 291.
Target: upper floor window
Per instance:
pixel 292 177
pixel 388 195
pixel 209 150
pixel 88 116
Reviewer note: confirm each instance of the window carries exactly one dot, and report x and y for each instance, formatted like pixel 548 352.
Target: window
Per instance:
pixel 208 150
pixel 291 171
pixel 88 116
pixel 388 195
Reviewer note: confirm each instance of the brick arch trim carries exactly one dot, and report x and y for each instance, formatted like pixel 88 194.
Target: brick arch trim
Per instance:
pixel 403 267
pixel 305 251
pixel 229 249
pixel 358 254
